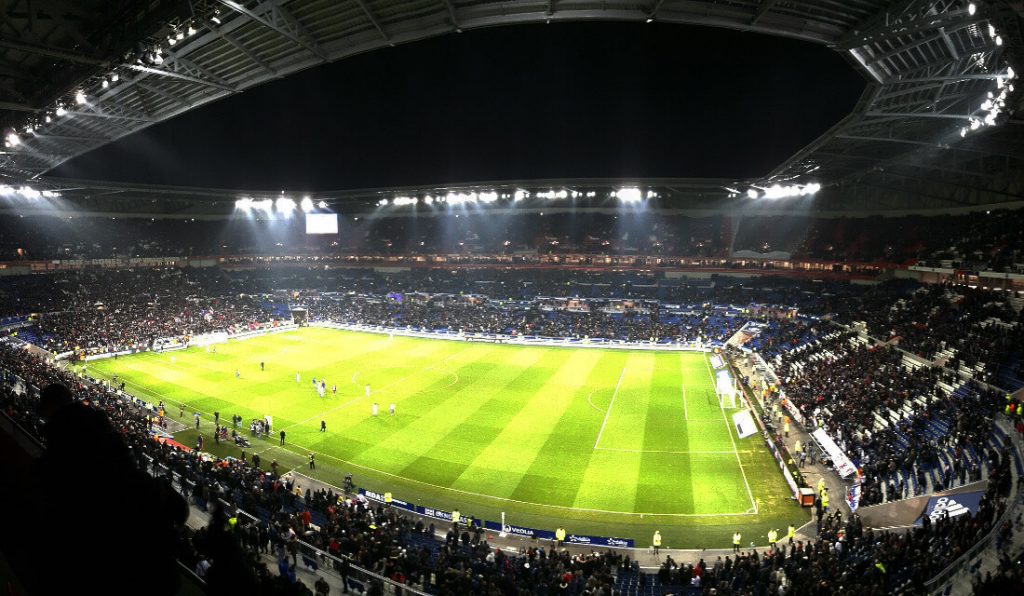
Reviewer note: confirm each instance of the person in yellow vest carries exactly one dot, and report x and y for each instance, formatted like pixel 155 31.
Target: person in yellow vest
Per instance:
pixel 773 537
pixel 824 500
pixel 791 534
pixel 736 542
pixel 797 449
pixel 456 516
pixel 559 536
pixel 657 542
pixel 387 498
pixel 821 485
pixel 785 427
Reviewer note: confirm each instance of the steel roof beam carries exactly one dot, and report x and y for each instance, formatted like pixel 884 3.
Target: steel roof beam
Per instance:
pixel 879 114
pixel 51 52
pixel 247 53
pixel 762 10
pixel 290 29
pixel 653 12
pixel 180 76
pixel 73 138
pixel 886 29
pixel 17 107
pixel 157 91
pixel 451 15
pixel 373 20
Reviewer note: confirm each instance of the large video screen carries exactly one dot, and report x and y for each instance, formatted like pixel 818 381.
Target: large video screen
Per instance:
pixel 321 223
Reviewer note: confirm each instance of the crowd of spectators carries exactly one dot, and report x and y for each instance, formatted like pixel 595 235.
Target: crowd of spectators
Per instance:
pixel 911 428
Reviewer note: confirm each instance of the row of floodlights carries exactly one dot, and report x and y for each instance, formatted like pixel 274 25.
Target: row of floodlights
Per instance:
pixel 26 192
pixel 281 205
pixel 625 195
pixel 994 104
pixel 777 191
pixel 152 55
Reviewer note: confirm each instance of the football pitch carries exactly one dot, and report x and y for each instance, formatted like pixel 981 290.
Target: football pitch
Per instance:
pixel 603 442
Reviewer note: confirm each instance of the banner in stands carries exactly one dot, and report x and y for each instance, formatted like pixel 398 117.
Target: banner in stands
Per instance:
pixel 853 494
pixel 602 541
pixel 378 497
pixel 417 509
pixel 840 462
pixel 952 505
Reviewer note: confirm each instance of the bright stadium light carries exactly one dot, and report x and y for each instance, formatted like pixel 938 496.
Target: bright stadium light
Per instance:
pixel 61 111
pixel 752 194
pixel 105 83
pixel 307 204
pixel 284 205
pixel 115 78
pixel 322 204
pixel 265 204
pixel 245 204
pixel 402 201
pixel 629 195
pixel 382 203
pixel 488 197
pixel 429 200
pixel 972 8
pixel 79 97
pixel 519 195
pixel 12 139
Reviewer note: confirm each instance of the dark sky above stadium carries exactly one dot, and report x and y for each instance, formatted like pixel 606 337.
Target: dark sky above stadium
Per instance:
pixel 541 101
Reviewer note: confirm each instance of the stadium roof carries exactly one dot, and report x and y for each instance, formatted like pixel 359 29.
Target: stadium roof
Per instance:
pixel 933 127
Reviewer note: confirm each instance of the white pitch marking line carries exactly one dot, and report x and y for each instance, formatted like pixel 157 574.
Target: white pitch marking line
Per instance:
pixel 610 404
pixel 686 415
pixel 669 452
pixel 728 428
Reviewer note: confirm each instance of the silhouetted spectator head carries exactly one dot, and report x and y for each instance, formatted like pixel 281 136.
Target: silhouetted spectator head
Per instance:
pixel 52 398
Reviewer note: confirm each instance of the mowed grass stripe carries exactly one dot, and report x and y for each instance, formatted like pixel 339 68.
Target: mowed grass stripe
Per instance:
pixel 628 414
pixel 665 478
pixel 557 469
pixel 611 479
pixel 501 464
pixel 483 420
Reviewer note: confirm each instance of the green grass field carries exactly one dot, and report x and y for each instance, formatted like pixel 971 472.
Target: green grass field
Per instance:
pixel 606 442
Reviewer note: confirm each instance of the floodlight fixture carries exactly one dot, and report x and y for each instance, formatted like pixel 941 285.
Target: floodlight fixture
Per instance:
pixel 629 195
pixel 306 204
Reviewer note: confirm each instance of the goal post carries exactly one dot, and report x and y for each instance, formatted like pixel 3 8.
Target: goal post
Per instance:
pixel 726 390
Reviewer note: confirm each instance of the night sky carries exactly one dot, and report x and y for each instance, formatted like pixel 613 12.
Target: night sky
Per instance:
pixel 541 101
